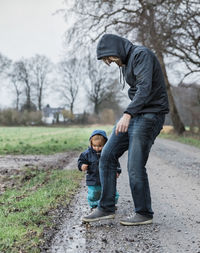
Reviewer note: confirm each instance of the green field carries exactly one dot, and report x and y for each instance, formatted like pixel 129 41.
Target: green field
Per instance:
pixel 45 140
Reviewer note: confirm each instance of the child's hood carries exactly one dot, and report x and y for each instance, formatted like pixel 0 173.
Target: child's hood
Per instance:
pixel 100 132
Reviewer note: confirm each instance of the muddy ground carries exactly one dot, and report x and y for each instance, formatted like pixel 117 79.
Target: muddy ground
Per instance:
pixel 11 165
pixel 174 174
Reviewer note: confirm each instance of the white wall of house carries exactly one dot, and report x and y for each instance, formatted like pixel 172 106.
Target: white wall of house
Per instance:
pixel 51 119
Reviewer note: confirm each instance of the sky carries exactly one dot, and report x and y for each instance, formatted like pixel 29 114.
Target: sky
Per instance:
pixel 28 27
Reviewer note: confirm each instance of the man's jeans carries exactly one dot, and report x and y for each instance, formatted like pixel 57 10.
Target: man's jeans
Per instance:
pixel 141 134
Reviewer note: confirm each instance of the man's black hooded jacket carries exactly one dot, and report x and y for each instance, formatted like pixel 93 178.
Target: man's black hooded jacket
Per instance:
pixel 142 71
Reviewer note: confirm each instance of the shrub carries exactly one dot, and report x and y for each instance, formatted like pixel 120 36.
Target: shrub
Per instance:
pixel 107 116
pixel 12 117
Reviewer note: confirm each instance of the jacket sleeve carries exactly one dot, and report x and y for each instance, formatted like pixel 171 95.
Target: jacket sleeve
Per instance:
pixel 83 159
pixel 143 72
pixel 119 168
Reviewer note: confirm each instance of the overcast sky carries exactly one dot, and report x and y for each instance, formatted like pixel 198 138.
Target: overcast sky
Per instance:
pixel 28 27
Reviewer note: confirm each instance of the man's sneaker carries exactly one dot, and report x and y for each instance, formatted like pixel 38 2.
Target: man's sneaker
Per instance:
pixel 98 215
pixel 137 219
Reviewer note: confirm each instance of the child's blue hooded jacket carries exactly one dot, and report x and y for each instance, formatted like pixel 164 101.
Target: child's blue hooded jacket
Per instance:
pixel 91 157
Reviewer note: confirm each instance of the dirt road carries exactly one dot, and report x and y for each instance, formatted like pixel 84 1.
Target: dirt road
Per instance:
pixel 174 174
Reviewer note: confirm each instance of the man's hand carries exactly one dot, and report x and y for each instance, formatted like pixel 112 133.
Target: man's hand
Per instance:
pixel 122 125
pixel 84 167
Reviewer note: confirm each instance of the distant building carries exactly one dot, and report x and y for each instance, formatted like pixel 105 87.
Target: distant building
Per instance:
pixel 52 115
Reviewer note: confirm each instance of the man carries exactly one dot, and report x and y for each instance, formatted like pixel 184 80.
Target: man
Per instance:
pixel 136 131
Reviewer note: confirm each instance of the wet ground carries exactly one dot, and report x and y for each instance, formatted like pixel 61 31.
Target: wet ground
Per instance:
pixel 174 174
pixel 11 165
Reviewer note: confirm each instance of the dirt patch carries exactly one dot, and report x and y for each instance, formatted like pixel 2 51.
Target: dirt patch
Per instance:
pixel 13 165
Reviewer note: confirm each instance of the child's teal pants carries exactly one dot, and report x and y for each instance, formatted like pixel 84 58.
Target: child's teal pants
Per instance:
pixel 94 193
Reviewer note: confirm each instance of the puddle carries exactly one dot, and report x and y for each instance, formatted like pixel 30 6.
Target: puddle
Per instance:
pixel 72 236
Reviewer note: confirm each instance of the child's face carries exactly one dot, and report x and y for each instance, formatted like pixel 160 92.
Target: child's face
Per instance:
pixel 97 145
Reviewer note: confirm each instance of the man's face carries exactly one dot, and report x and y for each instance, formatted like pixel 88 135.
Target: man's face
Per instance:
pixel 109 59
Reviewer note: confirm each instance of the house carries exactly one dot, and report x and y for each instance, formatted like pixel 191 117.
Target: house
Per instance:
pixel 52 115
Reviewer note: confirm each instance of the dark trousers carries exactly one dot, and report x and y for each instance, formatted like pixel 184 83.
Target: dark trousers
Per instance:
pixel 141 134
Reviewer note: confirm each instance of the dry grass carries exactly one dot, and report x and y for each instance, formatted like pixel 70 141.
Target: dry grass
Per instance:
pixel 167 129
pixel 187 137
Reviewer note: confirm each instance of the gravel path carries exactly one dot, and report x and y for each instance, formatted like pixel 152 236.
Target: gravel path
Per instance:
pixel 174 174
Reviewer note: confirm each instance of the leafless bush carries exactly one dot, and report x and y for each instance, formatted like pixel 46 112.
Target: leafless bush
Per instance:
pixel 12 117
pixel 107 116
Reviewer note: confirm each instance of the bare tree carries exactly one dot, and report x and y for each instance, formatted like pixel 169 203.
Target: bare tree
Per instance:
pixel 157 24
pixel 4 63
pixel 23 75
pixel 190 95
pixel 40 68
pixel 71 79
pixel 17 85
pixel 184 43
pixel 169 28
pixel 157 32
pixel 102 90
pixel 98 94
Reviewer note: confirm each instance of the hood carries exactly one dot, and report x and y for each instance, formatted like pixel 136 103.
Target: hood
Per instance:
pixel 100 132
pixel 114 45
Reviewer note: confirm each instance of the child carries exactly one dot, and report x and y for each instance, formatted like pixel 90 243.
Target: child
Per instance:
pixel 89 161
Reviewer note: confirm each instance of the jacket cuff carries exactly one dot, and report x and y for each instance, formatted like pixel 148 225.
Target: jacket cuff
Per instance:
pixel 129 113
pixel 79 166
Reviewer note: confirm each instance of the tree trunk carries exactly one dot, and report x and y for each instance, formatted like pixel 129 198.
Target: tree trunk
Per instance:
pixel 28 102
pixel 71 108
pixel 96 109
pixel 17 103
pixel 176 120
pixel 28 96
pixel 40 99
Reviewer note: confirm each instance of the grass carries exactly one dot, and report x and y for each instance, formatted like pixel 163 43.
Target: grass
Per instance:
pixel 45 140
pixel 24 209
pixel 187 137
